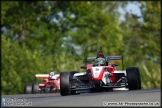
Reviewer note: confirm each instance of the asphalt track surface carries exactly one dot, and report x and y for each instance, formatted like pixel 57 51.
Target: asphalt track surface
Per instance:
pixel 152 97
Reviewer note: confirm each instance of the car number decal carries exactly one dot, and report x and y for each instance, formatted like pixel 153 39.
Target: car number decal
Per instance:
pixel 97 69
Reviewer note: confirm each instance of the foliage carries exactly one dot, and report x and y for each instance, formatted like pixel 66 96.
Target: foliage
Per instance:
pixel 150 75
pixel 19 65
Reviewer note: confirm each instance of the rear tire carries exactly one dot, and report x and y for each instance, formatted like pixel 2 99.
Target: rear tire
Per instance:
pixel 28 89
pixel 139 77
pixel 64 83
pixel 35 88
pixel 133 78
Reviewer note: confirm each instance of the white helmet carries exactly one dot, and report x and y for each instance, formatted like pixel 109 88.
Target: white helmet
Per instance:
pixel 52 73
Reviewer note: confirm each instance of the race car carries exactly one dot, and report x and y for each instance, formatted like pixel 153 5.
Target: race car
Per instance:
pixel 50 84
pixel 100 76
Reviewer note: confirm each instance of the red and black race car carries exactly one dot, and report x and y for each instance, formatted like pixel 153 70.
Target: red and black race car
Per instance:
pixel 47 86
pixel 99 76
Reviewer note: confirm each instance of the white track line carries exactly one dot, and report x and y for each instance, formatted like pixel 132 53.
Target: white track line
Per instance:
pixel 120 89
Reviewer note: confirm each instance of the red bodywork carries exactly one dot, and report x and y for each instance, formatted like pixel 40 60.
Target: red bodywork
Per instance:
pixel 110 68
pixel 48 82
pixel 101 69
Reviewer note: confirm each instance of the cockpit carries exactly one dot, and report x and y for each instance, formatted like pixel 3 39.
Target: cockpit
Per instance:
pixel 100 62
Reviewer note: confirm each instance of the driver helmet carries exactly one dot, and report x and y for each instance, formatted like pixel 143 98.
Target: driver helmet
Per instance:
pixel 52 74
pixel 100 62
pixel 100 55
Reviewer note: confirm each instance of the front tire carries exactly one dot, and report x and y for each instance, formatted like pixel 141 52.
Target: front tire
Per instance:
pixel 28 89
pixel 64 83
pixel 133 78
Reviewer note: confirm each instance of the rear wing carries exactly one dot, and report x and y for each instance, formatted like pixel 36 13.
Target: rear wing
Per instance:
pixel 88 59
pixel 41 76
pixel 118 57
pixel 44 76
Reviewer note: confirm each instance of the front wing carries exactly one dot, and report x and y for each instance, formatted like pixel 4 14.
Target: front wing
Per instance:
pixel 79 86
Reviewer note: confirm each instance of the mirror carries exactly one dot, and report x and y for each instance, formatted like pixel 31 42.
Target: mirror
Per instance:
pixel 115 64
pixel 83 67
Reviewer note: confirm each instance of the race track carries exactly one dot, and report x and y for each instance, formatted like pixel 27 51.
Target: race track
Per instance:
pixel 94 99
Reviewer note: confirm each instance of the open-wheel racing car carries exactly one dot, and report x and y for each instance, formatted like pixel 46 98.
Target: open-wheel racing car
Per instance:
pixel 50 84
pixel 100 76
